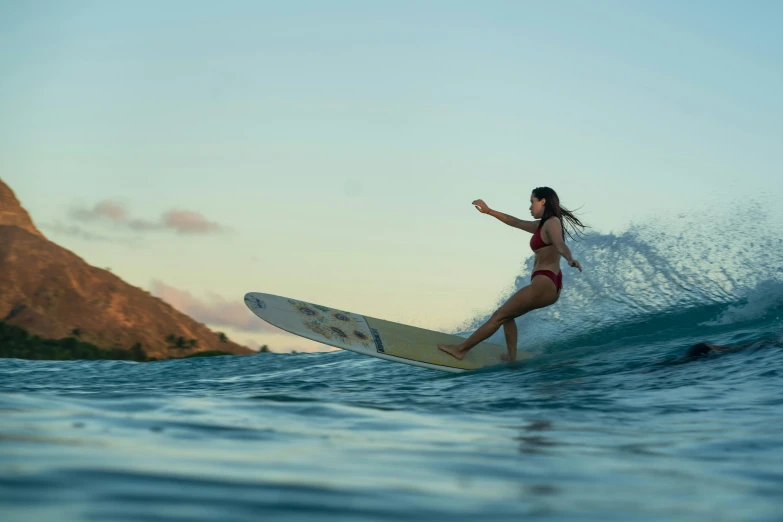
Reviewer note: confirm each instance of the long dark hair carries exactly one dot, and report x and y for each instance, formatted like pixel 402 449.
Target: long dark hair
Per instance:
pixel 552 207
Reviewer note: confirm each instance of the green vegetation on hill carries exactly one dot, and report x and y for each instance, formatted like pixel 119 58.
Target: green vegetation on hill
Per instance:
pixel 16 342
pixel 207 353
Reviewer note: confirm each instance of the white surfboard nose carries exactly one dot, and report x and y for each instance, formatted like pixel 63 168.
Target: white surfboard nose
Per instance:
pixel 255 301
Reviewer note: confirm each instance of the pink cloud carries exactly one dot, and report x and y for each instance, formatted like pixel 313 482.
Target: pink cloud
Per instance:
pixel 181 221
pixel 187 222
pixel 106 209
pixel 214 310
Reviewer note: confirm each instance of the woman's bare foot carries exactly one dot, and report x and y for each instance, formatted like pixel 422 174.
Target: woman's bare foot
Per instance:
pixel 452 349
pixel 505 357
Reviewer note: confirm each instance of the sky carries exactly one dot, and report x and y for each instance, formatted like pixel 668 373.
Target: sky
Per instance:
pixel 330 151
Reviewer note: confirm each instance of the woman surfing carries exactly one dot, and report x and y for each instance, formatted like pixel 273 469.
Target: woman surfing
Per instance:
pixel 546 281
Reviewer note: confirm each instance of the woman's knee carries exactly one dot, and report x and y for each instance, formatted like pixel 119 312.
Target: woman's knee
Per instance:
pixel 500 317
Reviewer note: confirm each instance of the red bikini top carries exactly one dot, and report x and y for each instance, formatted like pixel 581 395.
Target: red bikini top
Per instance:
pixel 536 242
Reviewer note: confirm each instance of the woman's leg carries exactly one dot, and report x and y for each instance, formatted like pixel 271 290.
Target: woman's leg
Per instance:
pixel 539 293
pixel 510 331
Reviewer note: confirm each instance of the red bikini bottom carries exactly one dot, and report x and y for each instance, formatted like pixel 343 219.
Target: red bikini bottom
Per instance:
pixel 556 278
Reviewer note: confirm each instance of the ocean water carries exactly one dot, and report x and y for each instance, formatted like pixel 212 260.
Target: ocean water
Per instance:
pixel 609 422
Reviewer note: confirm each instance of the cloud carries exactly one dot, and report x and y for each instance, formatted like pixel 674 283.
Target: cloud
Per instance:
pixel 106 209
pixel 187 222
pixel 143 225
pixel 255 345
pixel 214 310
pixel 73 230
pixel 180 221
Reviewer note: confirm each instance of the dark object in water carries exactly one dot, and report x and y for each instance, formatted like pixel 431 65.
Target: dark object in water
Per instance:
pixel 697 350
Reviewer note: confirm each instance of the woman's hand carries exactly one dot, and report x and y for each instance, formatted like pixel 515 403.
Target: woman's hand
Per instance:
pixel 574 263
pixel 481 206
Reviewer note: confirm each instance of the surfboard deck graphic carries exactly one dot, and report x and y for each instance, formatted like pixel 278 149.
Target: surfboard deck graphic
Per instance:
pixel 370 336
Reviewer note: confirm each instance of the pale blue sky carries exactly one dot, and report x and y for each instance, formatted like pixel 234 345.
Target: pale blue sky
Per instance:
pixel 342 142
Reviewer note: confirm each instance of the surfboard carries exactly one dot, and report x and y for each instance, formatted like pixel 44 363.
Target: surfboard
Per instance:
pixel 370 336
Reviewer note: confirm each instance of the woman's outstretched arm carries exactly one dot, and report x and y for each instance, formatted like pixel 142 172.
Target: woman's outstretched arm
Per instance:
pixel 528 226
